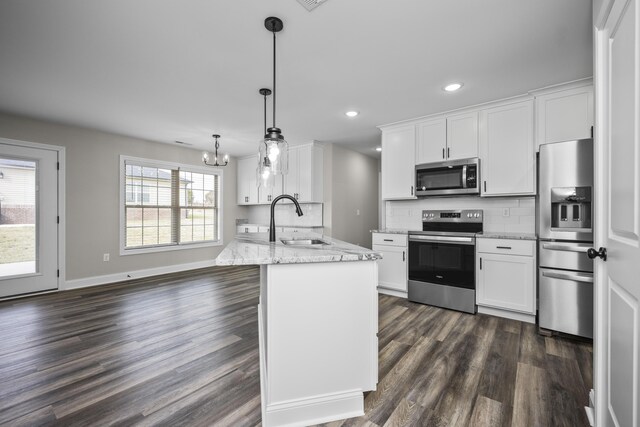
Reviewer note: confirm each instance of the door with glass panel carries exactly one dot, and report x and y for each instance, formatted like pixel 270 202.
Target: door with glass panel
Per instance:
pixel 28 219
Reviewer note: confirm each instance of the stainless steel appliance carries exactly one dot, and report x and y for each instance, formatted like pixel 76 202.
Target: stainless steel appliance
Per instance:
pixel 442 269
pixel 448 178
pixel 565 217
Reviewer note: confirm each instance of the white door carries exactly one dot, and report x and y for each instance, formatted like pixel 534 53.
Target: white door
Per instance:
pixel 617 334
pixel 431 144
pixel 392 268
pixel 462 136
pixel 28 220
pixel 398 163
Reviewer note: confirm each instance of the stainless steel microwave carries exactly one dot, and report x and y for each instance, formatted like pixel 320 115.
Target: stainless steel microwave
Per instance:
pixel 455 177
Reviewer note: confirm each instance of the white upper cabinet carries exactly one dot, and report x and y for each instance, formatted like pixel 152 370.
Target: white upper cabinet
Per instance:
pixel 447 138
pixel 304 181
pixel 398 162
pixel 431 145
pixel 247 186
pixel 564 115
pixel 462 136
pixel 507 150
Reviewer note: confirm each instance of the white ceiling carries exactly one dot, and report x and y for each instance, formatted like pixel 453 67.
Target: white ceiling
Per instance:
pixel 168 70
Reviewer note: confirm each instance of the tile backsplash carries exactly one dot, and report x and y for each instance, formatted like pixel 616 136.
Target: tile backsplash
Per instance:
pixel 286 214
pixel 407 214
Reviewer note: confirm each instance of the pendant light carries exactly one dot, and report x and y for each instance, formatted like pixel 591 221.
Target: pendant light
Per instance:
pixel 273 150
pixel 264 178
pixel 205 156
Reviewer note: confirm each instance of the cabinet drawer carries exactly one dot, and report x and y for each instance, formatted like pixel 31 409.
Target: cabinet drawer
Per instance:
pixel 506 246
pixel 389 239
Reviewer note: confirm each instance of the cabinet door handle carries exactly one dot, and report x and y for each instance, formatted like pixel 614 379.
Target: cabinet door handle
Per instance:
pixel 402 255
pixel 443 152
pixel 246 199
pixel 485 186
pixel 503 247
pixel 448 152
pixel 388 240
pixel 480 263
pixel 412 190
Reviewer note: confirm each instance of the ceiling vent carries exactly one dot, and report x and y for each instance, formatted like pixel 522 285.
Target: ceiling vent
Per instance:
pixel 311 4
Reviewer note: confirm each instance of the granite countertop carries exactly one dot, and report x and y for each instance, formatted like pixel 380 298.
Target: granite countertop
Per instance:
pixel 255 249
pixel 392 231
pixel 506 235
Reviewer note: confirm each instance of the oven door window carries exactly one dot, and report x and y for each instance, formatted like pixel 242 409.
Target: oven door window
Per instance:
pixel 439 178
pixel 451 264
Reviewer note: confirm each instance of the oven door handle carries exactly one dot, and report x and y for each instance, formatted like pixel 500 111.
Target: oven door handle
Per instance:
pixel 443 239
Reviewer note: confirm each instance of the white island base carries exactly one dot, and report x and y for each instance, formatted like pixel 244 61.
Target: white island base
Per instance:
pixel 318 325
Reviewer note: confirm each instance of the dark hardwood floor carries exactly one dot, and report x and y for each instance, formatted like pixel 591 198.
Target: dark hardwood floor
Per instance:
pixel 183 350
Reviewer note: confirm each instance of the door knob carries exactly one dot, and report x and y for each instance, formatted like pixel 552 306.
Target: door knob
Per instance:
pixel 602 253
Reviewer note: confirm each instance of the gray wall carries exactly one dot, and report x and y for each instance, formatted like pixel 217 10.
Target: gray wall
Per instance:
pixel 92 195
pixel 351 185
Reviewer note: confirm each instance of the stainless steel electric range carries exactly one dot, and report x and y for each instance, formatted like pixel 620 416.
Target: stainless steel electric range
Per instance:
pixel 442 259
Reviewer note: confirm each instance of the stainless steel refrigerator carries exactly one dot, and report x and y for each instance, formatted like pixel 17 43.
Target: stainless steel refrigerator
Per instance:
pixel 565 233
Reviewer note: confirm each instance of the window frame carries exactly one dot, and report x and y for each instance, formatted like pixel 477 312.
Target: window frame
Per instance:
pixel 166 165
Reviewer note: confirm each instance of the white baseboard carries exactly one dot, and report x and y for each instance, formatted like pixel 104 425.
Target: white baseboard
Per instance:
pixel 392 292
pixel 130 275
pixel 315 410
pixel 529 318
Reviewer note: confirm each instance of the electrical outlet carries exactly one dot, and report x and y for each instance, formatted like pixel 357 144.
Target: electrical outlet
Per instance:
pixel 506 212
pixel 357 212
pixel 105 257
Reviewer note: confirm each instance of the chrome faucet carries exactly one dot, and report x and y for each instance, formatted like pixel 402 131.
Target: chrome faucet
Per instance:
pixel 272 223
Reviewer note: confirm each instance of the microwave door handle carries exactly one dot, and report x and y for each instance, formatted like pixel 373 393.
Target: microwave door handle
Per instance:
pixel 565 276
pixel 464 176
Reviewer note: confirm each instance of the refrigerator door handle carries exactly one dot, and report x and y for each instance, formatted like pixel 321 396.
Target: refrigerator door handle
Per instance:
pixel 567 248
pixel 566 276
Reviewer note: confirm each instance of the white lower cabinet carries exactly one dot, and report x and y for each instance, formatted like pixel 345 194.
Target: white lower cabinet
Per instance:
pixel 505 278
pixel 392 268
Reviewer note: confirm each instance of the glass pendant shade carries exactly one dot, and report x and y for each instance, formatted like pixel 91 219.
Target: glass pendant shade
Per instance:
pixel 273 155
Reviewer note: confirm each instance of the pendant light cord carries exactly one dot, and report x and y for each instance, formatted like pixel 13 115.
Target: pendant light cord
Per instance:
pixel 265 113
pixel 274 78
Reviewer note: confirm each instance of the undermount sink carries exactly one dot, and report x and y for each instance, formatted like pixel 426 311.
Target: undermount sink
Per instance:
pixel 304 242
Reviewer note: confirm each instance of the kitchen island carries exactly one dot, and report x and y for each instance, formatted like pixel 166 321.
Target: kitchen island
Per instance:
pixel 318 324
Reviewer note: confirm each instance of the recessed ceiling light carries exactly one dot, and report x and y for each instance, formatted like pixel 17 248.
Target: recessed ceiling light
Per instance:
pixel 453 87
pixel 378 148
pixel 351 113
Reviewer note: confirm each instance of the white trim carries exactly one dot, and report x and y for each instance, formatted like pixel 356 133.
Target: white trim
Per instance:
pixel 137 274
pixel 468 109
pixel 392 292
pixel 495 103
pixel 561 87
pixel 169 165
pixel 61 198
pixel 522 317
pixel 600 227
pixel 313 410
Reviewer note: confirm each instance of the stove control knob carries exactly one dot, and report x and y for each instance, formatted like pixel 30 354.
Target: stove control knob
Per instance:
pixel 477 215
pixel 468 215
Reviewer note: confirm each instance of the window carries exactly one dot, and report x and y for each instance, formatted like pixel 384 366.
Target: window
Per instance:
pixel 168 206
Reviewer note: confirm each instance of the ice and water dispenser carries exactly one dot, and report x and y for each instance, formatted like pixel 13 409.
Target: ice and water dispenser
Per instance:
pixel 571 207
